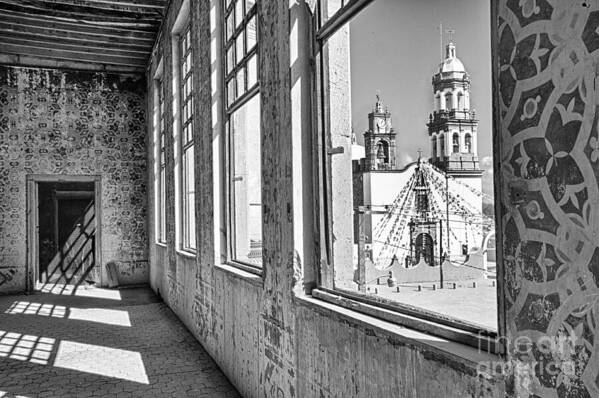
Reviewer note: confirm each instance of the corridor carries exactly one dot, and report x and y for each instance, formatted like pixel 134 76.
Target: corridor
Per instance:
pixel 98 342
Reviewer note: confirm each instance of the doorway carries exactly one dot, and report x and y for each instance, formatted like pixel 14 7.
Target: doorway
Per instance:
pixel 63 233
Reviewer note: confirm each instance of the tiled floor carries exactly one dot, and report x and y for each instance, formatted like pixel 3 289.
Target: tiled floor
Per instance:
pixel 101 343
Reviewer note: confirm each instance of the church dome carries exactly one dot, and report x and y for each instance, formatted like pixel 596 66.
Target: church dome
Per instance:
pixel 451 64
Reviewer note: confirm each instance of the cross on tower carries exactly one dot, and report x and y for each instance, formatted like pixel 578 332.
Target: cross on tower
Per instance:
pixel 450 32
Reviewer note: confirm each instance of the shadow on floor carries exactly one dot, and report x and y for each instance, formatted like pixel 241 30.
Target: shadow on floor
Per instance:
pixel 99 342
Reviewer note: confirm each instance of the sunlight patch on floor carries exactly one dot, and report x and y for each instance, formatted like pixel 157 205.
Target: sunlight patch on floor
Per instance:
pixel 81 291
pixel 101 315
pixel 103 361
pixel 5 394
pixel 29 348
pixel 28 308
pixel 97 315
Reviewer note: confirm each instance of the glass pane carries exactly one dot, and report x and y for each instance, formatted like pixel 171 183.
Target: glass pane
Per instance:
pixel 230 26
pixel 189 197
pixel 238 12
pixel 252 69
pixel 249 4
pixel 241 81
pixel 231 95
pixel 230 59
pixel 246 184
pixel 412 203
pixel 251 33
pixel 239 47
pixel 162 205
pixel 330 7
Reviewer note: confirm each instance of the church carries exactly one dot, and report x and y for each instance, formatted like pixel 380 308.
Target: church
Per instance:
pixel 426 212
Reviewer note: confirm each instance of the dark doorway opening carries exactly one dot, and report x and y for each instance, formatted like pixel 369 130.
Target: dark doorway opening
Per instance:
pixel 424 248
pixel 67 233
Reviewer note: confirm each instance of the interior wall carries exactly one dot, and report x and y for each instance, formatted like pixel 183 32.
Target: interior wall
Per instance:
pixel 77 123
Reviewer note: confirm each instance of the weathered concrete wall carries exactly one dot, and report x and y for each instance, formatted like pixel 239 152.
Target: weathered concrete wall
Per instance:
pixel 76 123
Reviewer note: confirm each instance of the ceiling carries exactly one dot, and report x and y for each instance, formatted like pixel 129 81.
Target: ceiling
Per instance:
pixel 107 35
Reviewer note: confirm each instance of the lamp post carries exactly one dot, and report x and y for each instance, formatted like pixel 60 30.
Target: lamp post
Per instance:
pixel 447 208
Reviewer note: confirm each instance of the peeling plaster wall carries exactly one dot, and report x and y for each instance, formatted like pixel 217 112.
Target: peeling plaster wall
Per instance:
pixel 267 342
pixel 76 123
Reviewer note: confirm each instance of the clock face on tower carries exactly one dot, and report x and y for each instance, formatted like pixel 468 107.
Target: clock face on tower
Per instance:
pixel 381 124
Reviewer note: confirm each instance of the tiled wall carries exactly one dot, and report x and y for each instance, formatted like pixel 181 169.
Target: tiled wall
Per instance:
pixel 549 142
pixel 77 123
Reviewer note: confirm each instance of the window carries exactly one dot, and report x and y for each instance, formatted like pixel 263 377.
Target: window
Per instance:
pixel 468 142
pixel 243 131
pixel 456 143
pixel 160 161
pixel 412 239
pixel 186 137
pixel 448 102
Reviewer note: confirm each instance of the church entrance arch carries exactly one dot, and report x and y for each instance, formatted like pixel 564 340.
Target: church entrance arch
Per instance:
pixel 424 249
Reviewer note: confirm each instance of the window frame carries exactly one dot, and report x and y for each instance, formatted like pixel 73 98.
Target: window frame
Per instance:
pixel 230 107
pixel 159 128
pixel 186 142
pixel 396 312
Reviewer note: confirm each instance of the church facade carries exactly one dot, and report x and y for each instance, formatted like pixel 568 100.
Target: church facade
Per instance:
pixel 420 214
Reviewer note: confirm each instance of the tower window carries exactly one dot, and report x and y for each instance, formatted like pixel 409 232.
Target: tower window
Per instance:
pixel 434 147
pixel 448 102
pixel 468 143
pixel 382 152
pixel 456 143
pixel 461 105
pixel 441 145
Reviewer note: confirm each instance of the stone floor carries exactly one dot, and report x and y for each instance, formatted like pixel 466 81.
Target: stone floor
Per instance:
pixel 101 343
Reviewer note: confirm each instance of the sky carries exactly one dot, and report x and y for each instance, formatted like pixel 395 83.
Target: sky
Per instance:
pixel 395 50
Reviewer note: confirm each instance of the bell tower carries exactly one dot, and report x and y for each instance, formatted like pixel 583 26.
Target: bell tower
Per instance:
pixel 453 127
pixel 379 139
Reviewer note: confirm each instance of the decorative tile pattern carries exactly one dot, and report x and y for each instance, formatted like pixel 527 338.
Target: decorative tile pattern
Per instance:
pixel 56 122
pixel 549 97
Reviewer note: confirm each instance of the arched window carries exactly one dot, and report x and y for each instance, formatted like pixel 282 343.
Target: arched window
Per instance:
pixel 438 102
pixel 448 102
pixel 456 143
pixel 441 145
pixel 382 152
pixel 468 141
pixel 461 103
pixel 434 147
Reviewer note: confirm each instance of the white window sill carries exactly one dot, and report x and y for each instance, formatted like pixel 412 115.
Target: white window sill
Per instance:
pixel 457 355
pixel 187 254
pixel 251 277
